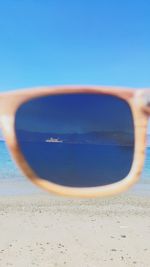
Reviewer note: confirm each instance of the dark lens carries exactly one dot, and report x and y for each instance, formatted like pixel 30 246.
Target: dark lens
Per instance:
pixel 77 140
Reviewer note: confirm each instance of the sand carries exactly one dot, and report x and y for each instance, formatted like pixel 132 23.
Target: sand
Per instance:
pixel 45 230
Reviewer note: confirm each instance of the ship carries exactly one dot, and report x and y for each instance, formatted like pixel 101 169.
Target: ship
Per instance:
pixel 53 140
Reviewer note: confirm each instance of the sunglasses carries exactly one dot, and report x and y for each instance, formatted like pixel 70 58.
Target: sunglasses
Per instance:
pixel 77 141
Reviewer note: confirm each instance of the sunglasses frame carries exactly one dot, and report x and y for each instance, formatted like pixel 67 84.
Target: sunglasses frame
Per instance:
pixel 10 102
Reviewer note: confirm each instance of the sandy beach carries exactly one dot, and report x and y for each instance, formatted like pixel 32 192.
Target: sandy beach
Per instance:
pixel 45 230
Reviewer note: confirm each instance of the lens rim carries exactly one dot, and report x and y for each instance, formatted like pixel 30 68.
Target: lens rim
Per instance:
pixel 16 99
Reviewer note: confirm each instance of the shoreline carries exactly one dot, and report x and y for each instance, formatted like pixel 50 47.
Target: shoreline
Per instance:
pixel 23 186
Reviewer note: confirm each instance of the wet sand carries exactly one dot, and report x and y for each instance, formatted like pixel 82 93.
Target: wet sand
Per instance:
pixel 44 230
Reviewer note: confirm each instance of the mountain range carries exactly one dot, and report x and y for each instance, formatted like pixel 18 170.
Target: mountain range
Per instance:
pixel 102 138
pixel 74 136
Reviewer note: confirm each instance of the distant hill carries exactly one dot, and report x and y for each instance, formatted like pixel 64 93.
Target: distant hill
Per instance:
pixel 101 138
pixel 48 135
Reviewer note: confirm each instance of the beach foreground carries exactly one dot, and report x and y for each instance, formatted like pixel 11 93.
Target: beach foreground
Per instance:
pixel 44 230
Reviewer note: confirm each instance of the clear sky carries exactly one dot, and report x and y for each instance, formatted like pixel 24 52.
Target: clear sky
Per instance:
pixel 46 42
pixel 63 114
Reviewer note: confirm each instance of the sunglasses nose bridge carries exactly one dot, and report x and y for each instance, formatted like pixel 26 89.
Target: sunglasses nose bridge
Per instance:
pixel 143 100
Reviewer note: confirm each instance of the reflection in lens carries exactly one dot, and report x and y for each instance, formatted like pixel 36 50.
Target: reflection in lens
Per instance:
pixel 77 140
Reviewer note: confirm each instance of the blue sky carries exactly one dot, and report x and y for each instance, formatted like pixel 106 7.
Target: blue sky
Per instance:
pixel 75 114
pixel 104 42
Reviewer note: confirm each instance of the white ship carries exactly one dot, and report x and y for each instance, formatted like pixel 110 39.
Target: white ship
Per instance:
pixel 53 140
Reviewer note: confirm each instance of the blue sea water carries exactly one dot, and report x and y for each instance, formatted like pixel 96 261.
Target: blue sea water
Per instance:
pixel 13 182
pixel 78 164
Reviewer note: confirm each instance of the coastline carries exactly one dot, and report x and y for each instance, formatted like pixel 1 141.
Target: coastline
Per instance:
pixel 39 229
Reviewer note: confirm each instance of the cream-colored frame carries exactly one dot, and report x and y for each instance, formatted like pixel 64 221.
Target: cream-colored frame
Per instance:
pixel 10 101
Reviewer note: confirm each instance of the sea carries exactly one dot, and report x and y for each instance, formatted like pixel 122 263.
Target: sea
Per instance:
pixel 13 182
